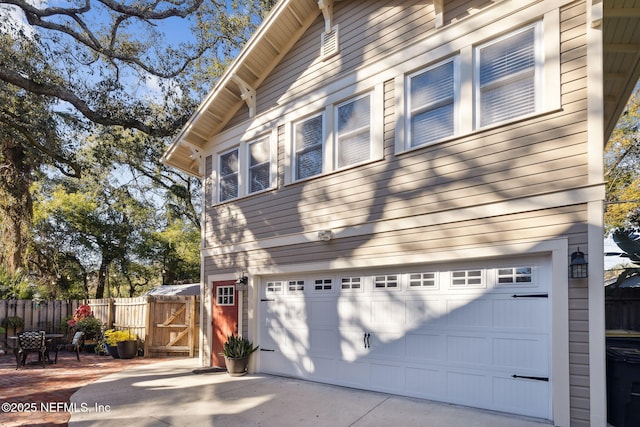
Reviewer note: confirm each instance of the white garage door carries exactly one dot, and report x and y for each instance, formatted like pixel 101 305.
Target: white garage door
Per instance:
pixel 476 336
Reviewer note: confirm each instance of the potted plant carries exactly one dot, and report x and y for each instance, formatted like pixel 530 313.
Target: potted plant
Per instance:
pixel 113 337
pixel 13 324
pixel 236 352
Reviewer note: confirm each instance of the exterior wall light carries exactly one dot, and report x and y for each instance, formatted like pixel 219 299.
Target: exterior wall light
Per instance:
pixel 242 282
pixel 324 235
pixel 579 267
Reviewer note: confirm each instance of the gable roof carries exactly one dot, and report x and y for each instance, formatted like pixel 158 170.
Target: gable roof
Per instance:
pixel 289 19
pixel 285 24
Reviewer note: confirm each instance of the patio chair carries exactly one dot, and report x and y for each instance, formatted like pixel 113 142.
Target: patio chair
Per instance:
pixel 31 342
pixel 76 342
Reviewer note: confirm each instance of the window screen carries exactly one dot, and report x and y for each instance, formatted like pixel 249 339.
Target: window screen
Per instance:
pixel 228 175
pixel 353 132
pixel 259 165
pixel 308 147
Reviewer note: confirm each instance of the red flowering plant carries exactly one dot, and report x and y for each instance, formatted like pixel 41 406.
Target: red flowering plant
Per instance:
pixel 83 320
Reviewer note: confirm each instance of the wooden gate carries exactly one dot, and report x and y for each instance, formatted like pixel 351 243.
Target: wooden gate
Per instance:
pixel 172 326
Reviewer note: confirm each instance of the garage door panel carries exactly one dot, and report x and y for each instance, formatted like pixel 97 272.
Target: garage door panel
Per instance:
pixel 323 342
pixel 427 347
pixel 469 313
pixel 388 313
pixel 469 388
pixel 323 369
pixel 524 315
pixel 425 383
pixel 469 350
pixel 296 311
pixel 352 345
pixel 424 311
pixel 512 352
pixel 323 312
pixel 355 374
pixel 354 312
pixel 387 377
pixel 386 345
pixel 521 396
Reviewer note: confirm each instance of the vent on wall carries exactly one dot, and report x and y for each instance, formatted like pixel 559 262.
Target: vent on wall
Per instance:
pixel 330 43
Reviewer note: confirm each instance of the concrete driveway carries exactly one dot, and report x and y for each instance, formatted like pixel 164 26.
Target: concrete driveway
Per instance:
pixel 170 394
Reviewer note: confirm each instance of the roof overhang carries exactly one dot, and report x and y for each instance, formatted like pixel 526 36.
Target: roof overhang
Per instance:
pixel 621 37
pixel 285 24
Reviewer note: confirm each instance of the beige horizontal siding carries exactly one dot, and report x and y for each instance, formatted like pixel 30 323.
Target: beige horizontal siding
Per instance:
pixel 543 154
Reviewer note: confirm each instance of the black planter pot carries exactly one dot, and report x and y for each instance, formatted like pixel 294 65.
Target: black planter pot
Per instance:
pixel 236 367
pixel 128 349
pixel 113 351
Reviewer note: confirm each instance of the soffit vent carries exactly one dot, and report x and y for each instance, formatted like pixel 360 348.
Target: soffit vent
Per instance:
pixel 330 43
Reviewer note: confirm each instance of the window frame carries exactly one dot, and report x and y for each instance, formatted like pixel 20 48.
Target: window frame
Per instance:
pixel 295 151
pixel 222 177
pixel 538 74
pixel 328 109
pixel 267 140
pixel 455 60
pixel 336 130
pixel 244 153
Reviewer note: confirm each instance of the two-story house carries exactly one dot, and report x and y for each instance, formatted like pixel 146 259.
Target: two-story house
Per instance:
pixel 394 191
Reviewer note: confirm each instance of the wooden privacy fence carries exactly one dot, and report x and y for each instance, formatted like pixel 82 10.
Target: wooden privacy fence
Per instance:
pixel 168 325
pixel 43 315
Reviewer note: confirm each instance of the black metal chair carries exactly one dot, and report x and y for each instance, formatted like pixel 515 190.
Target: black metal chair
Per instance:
pixel 31 342
pixel 76 342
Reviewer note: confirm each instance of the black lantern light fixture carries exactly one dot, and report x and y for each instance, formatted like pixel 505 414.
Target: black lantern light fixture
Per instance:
pixel 579 267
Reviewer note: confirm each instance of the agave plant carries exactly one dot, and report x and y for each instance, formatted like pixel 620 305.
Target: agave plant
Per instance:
pixel 237 347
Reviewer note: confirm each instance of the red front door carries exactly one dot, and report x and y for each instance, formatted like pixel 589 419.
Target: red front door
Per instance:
pixel 225 317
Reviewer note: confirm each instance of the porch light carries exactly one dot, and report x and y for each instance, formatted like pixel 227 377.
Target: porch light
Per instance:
pixel 578 268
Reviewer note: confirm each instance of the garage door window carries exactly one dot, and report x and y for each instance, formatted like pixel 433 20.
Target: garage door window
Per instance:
pixel 351 284
pixel 386 282
pixel 296 286
pixel 275 287
pixel 467 278
pixel 422 280
pixel 515 275
pixel 323 285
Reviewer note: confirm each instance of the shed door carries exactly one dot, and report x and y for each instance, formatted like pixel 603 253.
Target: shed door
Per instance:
pixel 225 317
pixel 473 334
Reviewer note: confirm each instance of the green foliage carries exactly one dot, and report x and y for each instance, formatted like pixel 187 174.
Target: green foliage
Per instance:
pixel 622 169
pixel 90 326
pixel 237 347
pixel 14 285
pixel 13 322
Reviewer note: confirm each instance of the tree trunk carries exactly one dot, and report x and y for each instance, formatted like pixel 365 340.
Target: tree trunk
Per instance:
pixel 15 204
pixel 102 277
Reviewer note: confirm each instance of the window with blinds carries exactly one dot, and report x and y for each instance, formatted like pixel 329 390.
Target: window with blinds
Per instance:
pixel 308 142
pixel 431 103
pixel 353 131
pixel 228 183
pixel 506 82
pixel 259 165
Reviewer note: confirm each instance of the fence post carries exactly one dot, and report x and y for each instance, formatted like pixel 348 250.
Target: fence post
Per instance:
pixel 148 327
pixel 192 325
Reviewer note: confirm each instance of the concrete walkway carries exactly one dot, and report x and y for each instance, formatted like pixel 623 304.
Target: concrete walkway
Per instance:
pixel 170 394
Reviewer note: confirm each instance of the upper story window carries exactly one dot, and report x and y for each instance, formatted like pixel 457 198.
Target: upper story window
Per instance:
pixel 431 103
pixel 353 132
pixel 507 75
pixel 479 85
pixel 245 169
pixel 309 143
pixel 259 165
pixel 228 184
pixel 342 134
